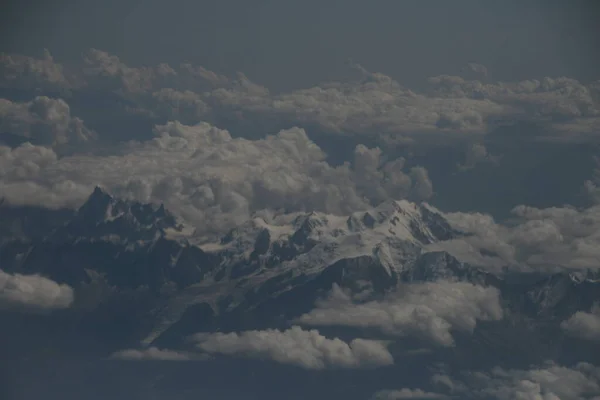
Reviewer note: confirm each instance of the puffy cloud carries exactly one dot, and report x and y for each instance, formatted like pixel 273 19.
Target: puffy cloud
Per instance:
pixel 592 186
pixel 430 310
pixel 211 179
pixel 109 73
pixel 475 71
pixel 151 353
pixel 475 154
pixel 373 103
pixel 559 99
pixel 583 324
pixel 407 394
pixel 42 121
pixel 104 71
pixel 33 292
pixel 18 71
pixel 184 106
pixel 306 349
pixel 547 382
pixel 550 238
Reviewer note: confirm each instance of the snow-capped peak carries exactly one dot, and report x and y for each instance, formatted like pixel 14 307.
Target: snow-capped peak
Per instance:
pixel 102 215
pixel 385 233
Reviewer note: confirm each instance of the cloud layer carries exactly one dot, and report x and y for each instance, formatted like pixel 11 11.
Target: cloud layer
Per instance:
pixel 546 382
pixel 33 292
pixel 429 310
pixel 211 179
pixel 544 239
pixel 370 103
pixel 306 349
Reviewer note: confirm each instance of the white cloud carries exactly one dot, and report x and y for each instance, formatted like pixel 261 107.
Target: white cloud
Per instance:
pixel 18 71
pixel 33 291
pixel 429 310
pixel 592 186
pixel 151 353
pixel 43 121
pixel 211 179
pixel 306 349
pixel 547 382
pixel 373 103
pixel 544 239
pixel 407 394
pixel 475 154
pixel 562 98
pixel 583 324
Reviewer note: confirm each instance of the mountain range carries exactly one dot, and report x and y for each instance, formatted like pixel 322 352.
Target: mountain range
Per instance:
pixel 142 280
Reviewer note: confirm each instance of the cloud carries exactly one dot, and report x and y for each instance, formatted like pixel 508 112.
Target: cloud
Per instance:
pixel 370 104
pixel 475 71
pixel 306 349
pixel 547 100
pixel 34 292
pixel 426 310
pixel 151 353
pixel 407 394
pixel 545 239
pixel 547 382
pixel 475 154
pixel 23 72
pixel 104 71
pixel 592 186
pixel 42 121
pixel 583 325
pixel 211 179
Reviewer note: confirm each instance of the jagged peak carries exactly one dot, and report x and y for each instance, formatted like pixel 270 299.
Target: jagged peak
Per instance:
pixel 98 194
pixel 97 204
pixel 103 215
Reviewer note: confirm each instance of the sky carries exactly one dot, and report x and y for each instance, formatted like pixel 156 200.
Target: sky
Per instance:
pixel 290 44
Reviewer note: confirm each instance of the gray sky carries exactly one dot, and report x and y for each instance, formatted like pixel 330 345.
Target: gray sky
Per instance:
pixel 288 44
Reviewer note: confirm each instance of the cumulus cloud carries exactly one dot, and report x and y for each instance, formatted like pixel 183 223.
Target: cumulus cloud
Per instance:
pixel 306 349
pixel 407 394
pixel 372 103
pixel 547 382
pixel 42 121
pixel 544 239
pixel 592 186
pixel 557 99
pixel 151 353
pixel 23 72
pixel 105 71
pixel 426 310
pixel 475 71
pixel 475 154
pixel 211 179
pixel 583 324
pixel 33 292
